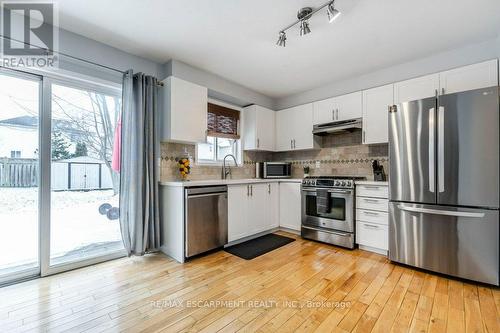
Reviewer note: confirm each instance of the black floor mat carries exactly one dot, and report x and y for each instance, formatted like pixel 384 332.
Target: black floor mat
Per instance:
pixel 258 246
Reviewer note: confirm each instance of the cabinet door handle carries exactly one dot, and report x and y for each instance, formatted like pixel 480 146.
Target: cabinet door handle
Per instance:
pixel 442 91
pixel 251 190
pixel 371 200
pixel 370 213
pixel 258 143
pixel 364 136
pixel 333 114
pixel 269 188
pixel 248 190
pixel 337 114
pixel 371 226
pixel 291 144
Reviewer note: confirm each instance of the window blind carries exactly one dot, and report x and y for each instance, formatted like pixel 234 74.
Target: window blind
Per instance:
pixel 223 122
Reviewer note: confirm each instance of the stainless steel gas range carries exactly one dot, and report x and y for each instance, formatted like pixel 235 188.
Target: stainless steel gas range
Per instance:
pixel 328 210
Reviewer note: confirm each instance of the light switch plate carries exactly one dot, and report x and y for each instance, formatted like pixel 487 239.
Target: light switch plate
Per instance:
pixel 318 164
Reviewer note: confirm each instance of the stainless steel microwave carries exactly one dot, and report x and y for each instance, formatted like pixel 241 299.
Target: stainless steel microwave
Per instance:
pixel 273 170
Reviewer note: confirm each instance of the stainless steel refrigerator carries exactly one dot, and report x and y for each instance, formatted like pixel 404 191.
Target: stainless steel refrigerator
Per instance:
pixel 444 184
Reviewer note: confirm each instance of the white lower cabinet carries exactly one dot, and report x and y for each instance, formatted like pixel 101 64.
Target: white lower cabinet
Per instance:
pixel 373 235
pixel 252 208
pixel 237 211
pixel 290 206
pixel 372 218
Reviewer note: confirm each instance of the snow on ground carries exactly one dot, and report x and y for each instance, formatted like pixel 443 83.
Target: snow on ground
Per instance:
pixel 75 223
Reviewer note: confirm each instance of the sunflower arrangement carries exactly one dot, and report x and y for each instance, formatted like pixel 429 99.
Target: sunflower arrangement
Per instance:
pixel 184 167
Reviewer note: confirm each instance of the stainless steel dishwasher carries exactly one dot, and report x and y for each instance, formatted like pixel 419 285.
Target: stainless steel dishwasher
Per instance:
pixel 205 219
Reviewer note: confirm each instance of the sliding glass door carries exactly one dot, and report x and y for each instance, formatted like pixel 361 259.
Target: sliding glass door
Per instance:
pixel 19 170
pixel 85 185
pixel 59 187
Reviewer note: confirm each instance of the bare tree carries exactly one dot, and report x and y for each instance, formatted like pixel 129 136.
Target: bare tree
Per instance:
pixel 94 126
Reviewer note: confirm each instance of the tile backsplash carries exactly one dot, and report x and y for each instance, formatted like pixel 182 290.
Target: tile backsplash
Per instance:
pixel 340 154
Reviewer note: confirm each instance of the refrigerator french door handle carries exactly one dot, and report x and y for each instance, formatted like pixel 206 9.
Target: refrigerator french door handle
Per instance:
pixel 441 149
pixel 432 144
pixel 440 212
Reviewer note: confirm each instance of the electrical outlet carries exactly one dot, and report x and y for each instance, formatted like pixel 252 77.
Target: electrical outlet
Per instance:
pixel 318 165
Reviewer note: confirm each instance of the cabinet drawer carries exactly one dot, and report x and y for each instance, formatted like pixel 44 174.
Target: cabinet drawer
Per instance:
pixel 372 216
pixel 373 235
pixel 372 204
pixel 377 191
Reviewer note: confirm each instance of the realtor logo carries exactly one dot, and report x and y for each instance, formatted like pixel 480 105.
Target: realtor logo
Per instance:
pixel 30 34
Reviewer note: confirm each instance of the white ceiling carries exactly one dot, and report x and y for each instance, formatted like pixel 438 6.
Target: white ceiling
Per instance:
pixel 236 38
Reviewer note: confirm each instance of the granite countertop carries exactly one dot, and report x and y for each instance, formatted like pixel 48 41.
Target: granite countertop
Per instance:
pixel 371 182
pixel 209 182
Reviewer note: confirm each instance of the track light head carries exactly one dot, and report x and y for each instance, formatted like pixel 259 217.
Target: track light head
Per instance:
pixel 304 28
pixel 281 39
pixel 332 13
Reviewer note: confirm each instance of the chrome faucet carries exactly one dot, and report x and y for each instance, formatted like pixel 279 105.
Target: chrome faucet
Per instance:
pixel 226 172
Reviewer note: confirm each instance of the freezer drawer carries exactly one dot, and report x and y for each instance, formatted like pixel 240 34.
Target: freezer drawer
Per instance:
pixel 457 241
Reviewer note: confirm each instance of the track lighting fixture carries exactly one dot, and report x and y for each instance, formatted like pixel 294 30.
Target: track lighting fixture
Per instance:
pixel 331 12
pixel 304 15
pixel 304 28
pixel 281 39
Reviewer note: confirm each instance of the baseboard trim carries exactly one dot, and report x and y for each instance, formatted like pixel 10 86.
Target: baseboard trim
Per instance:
pixel 373 249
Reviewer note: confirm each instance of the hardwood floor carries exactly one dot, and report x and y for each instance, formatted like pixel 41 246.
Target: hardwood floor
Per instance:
pixel 303 286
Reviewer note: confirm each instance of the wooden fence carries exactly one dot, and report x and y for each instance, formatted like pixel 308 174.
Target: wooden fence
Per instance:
pixel 23 172
pixel 18 172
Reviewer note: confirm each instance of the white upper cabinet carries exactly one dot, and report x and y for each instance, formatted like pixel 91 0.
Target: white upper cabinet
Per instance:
pixel 338 108
pixel 376 104
pixel 476 76
pixel 349 106
pixel 417 88
pixel 259 128
pixel 324 111
pixel 184 111
pixel 294 128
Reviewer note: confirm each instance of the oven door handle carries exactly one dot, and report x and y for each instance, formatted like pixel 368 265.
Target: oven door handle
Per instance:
pixel 327 231
pixel 329 191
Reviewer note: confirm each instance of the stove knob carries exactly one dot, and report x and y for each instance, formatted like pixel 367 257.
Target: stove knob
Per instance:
pixel 337 183
pixel 349 183
pixel 343 183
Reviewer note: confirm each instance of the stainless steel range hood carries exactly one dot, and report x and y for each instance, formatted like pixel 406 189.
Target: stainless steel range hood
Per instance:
pixel 338 126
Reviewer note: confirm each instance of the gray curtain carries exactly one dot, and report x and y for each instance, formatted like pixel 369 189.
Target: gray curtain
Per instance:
pixel 139 174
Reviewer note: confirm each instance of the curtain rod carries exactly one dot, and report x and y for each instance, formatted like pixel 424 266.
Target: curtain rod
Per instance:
pixel 67 55
pixel 76 58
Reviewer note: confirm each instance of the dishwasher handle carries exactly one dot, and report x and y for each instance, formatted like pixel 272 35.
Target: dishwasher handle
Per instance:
pixel 205 195
pixel 190 191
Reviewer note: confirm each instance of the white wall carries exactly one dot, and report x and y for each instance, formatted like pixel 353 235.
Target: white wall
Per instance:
pixel 90 50
pixel 218 87
pixel 434 63
pixel 18 138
